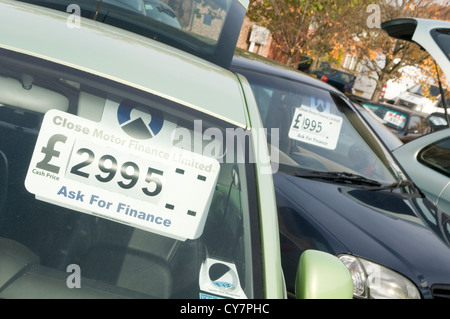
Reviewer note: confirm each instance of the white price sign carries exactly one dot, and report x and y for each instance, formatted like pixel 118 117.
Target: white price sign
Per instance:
pixel 395 118
pixel 317 128
pixel 168 193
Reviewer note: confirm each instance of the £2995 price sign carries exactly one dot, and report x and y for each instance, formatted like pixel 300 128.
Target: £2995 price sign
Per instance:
pixel 166 191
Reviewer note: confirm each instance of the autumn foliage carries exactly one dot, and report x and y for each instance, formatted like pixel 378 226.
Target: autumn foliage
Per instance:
pixel 330 29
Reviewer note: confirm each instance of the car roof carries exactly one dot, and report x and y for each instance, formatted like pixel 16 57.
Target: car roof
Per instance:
pixel 333 69
pixel 102 50
pixel 247 60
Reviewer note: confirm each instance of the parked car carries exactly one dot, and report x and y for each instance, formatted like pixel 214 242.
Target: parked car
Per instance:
pixel 422 98
pixel 111 183
pixel 341 80
pixel 304 63
pixel 339 190
pixel 405 123
pixel 427 159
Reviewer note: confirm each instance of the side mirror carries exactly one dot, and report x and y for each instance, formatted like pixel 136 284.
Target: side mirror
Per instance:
pixel 322 276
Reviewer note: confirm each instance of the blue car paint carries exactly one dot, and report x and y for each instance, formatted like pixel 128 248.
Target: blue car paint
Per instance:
pixel 388 228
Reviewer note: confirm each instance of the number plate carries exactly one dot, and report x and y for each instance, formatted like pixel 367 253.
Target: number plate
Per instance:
pixel 317 128
pixel 161 189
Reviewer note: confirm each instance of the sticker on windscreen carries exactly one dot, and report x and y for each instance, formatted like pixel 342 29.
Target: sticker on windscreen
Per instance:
pixel 317 128
pixel 220 278
pixel 105 170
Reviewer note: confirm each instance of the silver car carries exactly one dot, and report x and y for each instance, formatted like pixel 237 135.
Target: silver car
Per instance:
pixel 427 159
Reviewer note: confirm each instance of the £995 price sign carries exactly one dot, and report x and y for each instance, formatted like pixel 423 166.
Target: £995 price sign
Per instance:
pixel 317 128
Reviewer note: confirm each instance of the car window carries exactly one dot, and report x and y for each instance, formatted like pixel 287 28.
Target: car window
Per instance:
pixel 208 29
pixel 132 188
pixel 442 37
pixel 414 124
pixel 418 124
pixel 317 130
pixel 437 156
pixel 346 77
pixel 161 12
pixel 437 120
pixel 392 118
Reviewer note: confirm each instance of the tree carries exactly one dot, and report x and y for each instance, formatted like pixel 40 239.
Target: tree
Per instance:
pixel 327 29
pixel 384 56
pixel 287 20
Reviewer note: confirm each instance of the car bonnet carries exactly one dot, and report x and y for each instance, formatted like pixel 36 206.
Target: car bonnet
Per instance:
pixel 380 226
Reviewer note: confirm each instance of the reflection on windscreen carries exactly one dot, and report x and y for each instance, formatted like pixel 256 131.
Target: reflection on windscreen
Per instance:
pixel 202 18
pixel 392 118
pixel 315 133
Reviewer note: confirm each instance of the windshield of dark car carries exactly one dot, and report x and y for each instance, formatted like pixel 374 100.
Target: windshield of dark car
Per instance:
pixel 118 192
pixel 392 118
pixel 318 131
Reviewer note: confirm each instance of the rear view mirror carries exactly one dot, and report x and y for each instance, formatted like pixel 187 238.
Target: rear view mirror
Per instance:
pixel 322 276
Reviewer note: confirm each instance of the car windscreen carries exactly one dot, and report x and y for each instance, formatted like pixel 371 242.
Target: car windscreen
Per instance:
pixel 392 118
pixel 119 192
pixel 318 131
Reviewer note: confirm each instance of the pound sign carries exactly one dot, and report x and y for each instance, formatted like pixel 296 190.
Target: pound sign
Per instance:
pixel 50 152
pixel 297 120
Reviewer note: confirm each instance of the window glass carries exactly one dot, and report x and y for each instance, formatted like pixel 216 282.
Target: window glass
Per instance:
pixel 201 27
pixel 442 37
pixel 414 124
pixel 392 118
pixel 317 131
pixel 437 156
pixel 129 187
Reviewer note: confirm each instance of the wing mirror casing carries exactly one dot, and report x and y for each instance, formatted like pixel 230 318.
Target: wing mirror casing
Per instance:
pixel 321 275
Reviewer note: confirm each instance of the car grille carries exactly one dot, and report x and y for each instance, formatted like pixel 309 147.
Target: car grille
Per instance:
pixel 406 103
pixel 440 291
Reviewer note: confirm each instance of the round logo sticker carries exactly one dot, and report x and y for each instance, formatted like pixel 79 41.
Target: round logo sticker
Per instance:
pixel 139 122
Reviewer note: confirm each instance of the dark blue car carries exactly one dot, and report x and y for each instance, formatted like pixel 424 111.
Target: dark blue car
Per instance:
pixel 341 80
pixel 339 190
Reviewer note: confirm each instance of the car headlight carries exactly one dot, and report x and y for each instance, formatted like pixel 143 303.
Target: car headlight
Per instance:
pixel 374 281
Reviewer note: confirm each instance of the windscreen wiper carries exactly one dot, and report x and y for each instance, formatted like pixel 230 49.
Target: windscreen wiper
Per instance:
pixel 398 184
pixel 339 177
pixel 354 179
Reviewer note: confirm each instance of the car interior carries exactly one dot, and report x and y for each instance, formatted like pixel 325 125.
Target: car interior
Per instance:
pixel 38 239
